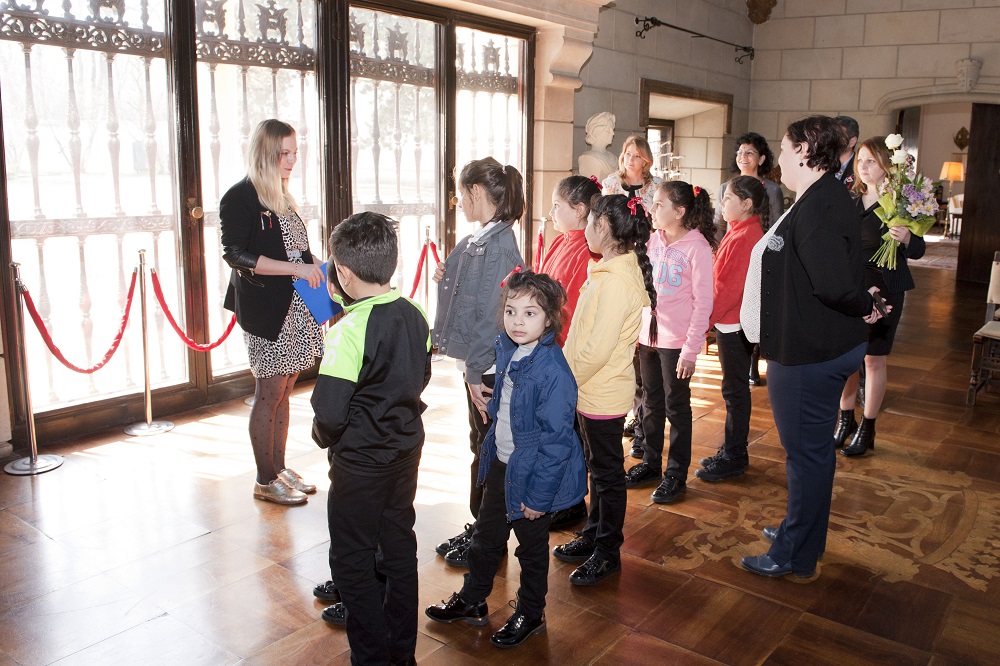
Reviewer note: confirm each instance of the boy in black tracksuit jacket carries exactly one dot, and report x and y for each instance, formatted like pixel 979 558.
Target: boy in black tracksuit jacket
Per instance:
pixel 368 417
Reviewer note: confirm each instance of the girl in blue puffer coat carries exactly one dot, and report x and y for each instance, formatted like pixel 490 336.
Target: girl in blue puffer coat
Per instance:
pixel 531 462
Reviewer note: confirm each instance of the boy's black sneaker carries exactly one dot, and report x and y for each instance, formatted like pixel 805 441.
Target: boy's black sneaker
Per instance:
pixel 594 570
pixel 457 608
pixel 457 540
pixel 669 491
pixel 724 468
pixel 327 592
pixel 705 462
pixel 577 550
pixel 516 630
pixel 643 474
pixel 335 614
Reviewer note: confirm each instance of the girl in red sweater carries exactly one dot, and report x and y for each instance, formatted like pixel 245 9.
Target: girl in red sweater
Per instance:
pixel 567 262
pixel 567 259
pixel 746 209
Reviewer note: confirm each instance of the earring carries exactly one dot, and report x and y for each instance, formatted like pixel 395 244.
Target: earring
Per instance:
pixel 802 163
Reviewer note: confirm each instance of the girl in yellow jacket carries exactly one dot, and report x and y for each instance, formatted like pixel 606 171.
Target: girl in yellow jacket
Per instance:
pixel 599 351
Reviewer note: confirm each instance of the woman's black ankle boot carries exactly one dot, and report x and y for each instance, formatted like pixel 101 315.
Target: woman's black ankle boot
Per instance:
pixel 864 439
pixel 846 425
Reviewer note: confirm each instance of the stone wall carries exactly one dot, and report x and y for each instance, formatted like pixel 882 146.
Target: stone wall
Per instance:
pixel 621 60
pixel 868 58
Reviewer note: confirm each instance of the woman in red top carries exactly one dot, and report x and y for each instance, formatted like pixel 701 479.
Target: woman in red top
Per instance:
pixel 568 257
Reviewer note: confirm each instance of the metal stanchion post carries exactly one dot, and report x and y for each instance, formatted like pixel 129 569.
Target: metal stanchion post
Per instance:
pixel 427 267
pixel 150 427
pixel 34 463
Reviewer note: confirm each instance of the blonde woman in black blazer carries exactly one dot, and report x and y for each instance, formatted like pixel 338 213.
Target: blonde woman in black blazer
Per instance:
pixel 264 241
pixel 806 303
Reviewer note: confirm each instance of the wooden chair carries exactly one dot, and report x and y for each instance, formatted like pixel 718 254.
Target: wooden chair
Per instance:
pixel 986 341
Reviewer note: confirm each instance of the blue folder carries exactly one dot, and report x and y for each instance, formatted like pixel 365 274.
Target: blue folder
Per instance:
pixel 318 300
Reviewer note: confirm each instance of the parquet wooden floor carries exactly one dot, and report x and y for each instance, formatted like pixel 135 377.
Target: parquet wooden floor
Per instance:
pixel 152 551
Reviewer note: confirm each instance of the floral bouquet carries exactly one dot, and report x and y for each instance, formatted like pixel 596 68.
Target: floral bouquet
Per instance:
pixel 906 199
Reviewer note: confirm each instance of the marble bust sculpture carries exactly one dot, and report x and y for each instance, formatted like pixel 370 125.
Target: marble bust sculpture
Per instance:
pixel 598 161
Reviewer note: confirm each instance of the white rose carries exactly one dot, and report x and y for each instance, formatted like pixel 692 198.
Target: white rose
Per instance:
pixel 899 157
pixel 893 141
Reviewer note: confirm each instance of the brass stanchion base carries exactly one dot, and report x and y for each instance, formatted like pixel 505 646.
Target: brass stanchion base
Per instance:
pixel 146 429
pixel 41 464
pixel 249 401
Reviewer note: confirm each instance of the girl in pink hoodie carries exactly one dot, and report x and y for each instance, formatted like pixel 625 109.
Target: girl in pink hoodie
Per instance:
pixel 680 250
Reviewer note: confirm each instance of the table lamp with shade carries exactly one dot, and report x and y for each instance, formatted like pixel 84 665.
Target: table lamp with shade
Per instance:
pixel 952 172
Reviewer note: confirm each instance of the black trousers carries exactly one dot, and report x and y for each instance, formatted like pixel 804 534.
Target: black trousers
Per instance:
pixel 637 400
pixel 369 516
pixel 490 536
pixel 734 356
pixel 602 445
pixel 477 433
pixel 667 398
pixel 805 400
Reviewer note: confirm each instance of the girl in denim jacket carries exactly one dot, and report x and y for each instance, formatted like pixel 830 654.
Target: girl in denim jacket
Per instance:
pixel 491 194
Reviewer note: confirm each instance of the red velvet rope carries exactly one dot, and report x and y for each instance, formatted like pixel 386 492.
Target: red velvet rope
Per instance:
pixel 184 338
pixel 47 338
pixel 434 251
pixel 420 270
pixel 541 249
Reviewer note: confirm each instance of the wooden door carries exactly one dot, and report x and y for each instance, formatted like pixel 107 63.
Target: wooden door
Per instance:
pixel 980 221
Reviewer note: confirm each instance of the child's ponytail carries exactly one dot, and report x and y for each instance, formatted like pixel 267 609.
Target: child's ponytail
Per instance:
pixel 502 183
pixel 576 190
pixel 698 211
pixel 629 226
pixel 642 230
pixel 748 187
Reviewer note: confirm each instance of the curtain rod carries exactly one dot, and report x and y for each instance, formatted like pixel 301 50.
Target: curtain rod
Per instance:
pixel 650 22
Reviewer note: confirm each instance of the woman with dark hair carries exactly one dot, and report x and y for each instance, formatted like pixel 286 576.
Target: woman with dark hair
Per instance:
pixel 753 158
pixel 805 302
pixel 871 165
pixel 264 241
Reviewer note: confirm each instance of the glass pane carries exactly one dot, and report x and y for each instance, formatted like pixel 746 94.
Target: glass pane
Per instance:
pixel 247 74
pixel 490 102
pixel 395 165
pixel 90 182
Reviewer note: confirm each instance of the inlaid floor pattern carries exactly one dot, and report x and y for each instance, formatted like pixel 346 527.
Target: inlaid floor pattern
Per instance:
pixel 152 550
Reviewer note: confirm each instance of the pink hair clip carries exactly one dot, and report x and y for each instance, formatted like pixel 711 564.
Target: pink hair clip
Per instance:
pixel 697 191
pixel 595 180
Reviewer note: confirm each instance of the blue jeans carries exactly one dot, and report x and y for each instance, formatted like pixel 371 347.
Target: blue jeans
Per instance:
pixel 805 400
